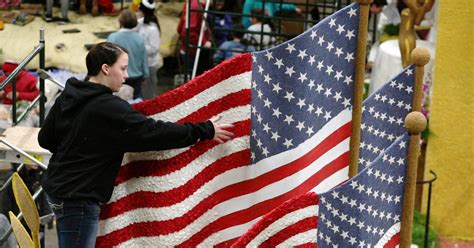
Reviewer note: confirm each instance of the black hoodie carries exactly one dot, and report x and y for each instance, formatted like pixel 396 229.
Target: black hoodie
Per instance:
pixel 88 130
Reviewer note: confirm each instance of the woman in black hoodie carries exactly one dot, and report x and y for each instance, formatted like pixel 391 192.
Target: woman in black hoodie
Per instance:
pixel 88 130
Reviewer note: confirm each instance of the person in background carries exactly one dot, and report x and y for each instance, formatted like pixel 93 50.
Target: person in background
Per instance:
pixel 195 20
pixel 135 44
pixel 233 47
pixel 221 21
pixel 256 39
pixel 149 28
pixel 269 8
pixel 48 15
pixel 26 85
pixel 88 131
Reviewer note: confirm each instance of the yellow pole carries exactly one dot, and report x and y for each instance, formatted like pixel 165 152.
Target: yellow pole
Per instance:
pixel 415 123
pixel 358 86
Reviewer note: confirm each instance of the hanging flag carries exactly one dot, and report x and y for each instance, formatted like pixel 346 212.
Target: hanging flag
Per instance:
pixel 298 221
pixel 291 109
pixel 366 210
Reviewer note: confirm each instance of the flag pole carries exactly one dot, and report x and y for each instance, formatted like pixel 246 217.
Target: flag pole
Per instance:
pixel 358 86
pixel 415 123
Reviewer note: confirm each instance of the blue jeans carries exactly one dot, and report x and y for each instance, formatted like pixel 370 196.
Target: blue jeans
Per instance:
pixel 77 221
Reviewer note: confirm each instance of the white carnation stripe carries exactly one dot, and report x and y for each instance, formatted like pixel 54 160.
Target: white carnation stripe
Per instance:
pixel 392 231
pixel 230 85
pixel 309 236
pixel 285 221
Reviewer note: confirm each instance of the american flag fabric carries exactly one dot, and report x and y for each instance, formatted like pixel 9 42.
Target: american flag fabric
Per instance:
pixel 383 114
pixel 291 109
pixel 366 210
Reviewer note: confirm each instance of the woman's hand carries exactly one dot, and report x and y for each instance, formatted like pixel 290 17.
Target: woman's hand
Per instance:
pixel 220 133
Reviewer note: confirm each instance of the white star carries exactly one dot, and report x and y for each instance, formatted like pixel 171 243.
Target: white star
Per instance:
pixel 393 83
pixel 409 89
pixel 269 55
pixel 329 70
pixel 349 57
pixel 301 103
pixel 319 88
pixel 266 127
pixel 289 71
pixel 276 112
pixel 279 63
pixel 311 60
pixel 352 12
pixel 309 131
pixel 302 77
pixel 327 93
pixel 327 116
pixel 337 96
pixel 275 136
pixel 276 88
pixel 302 54
pixel 350 34
pixel 289 96
pixel 400 161
pixel 402 144
pixel 267 103
pixel 409 72
pixel 288 119
pixel 340 29
pixel 260 69
pixel 288 143
pixel 290 48
pixel 332 23
pixel 352 240
pixel 313 34
pixel 300 125
pixel 348 80
pixel 330 46
pixel 321 40
pixel 345 234
pixel 320 65
pixel 267 78
pixel 400 86
pixel 264 151
pixel 338 75
pixel 310 108
pixel 254 58
pixel 259 94
pixel 319 111
pixel 338 52
pixel 311 84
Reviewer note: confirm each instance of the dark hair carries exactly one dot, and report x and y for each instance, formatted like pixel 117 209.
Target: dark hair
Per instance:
pixel 102 53
pixel 149 15
pixel 238 31
pixel 127 19
pixel 379 3
pixel 258 14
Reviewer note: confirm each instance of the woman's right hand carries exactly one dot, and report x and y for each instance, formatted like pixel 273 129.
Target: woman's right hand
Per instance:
pixel 220 133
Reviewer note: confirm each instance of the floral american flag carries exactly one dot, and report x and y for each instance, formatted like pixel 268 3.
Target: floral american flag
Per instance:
pixel 364 211
pixel 291 109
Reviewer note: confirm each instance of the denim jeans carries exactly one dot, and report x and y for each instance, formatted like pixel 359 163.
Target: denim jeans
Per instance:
pixel 76 221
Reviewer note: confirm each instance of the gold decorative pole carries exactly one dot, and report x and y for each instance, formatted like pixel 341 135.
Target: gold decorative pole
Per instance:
pixel 358 86
pixel 415 123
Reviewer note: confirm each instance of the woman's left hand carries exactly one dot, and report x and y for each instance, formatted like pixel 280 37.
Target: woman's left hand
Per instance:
pixel 220 133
